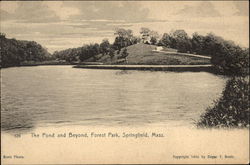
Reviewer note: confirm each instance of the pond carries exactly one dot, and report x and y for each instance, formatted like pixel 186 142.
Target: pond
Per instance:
pixel 54 96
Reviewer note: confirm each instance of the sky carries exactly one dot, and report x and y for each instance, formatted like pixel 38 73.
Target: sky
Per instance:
pixel 59 25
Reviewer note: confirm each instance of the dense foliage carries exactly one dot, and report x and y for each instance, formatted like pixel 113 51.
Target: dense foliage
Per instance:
pixel 68 55
pixel 123 39
pixel 232 109
pixel 105 47
pixel 14 52
pixel 227 57
pixel 81 53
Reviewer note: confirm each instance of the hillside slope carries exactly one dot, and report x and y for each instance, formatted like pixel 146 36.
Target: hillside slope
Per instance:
pixel 144 54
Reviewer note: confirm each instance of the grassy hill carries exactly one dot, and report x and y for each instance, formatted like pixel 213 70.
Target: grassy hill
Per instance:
pixel 144 54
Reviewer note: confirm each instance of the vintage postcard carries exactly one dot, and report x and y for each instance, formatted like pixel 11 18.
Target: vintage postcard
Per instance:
pixel 124 82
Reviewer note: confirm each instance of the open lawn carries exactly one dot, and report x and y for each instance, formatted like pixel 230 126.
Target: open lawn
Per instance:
pixel 143 54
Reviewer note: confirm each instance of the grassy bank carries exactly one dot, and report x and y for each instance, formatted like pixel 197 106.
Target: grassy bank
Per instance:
pixel 232 109
pixel 143 54
pixel 173 68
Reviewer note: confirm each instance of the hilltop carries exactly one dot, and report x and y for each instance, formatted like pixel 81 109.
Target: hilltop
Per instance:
pixel 144 54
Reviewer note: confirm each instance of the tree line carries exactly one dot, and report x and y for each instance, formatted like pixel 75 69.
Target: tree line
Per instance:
pixel 15 52
pixel 226 56
pixel 123 39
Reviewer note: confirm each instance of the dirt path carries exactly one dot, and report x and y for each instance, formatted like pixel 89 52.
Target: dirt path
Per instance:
pixel 184 54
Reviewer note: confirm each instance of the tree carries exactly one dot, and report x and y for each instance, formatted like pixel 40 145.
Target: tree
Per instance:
pixel 124 54
pixel 230 59
pixel 124 33
pixel 180 41
pixel 88 51
pixel 104 46
pixel 123 38
pixel 212 44
pixel 135 40
pixel 153 37
pixel 226 57
pixel 197 42
pixel 166 40
pixel 111 53
pixel 95 51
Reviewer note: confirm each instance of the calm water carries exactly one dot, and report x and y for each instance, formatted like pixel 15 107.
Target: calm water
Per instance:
pixel 61 95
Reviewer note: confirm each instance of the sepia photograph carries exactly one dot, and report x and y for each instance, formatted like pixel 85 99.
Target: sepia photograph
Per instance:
pixel 124 82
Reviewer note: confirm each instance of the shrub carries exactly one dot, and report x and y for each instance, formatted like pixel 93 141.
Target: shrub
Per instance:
pixel 232 109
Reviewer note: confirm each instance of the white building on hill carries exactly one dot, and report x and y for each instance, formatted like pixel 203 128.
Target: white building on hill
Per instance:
pixel 145 38
pixel 159 48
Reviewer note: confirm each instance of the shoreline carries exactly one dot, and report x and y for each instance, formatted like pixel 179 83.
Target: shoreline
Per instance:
pixel 180 68
pixel 174 68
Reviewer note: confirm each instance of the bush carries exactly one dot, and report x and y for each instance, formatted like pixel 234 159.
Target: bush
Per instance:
pixel 232 109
